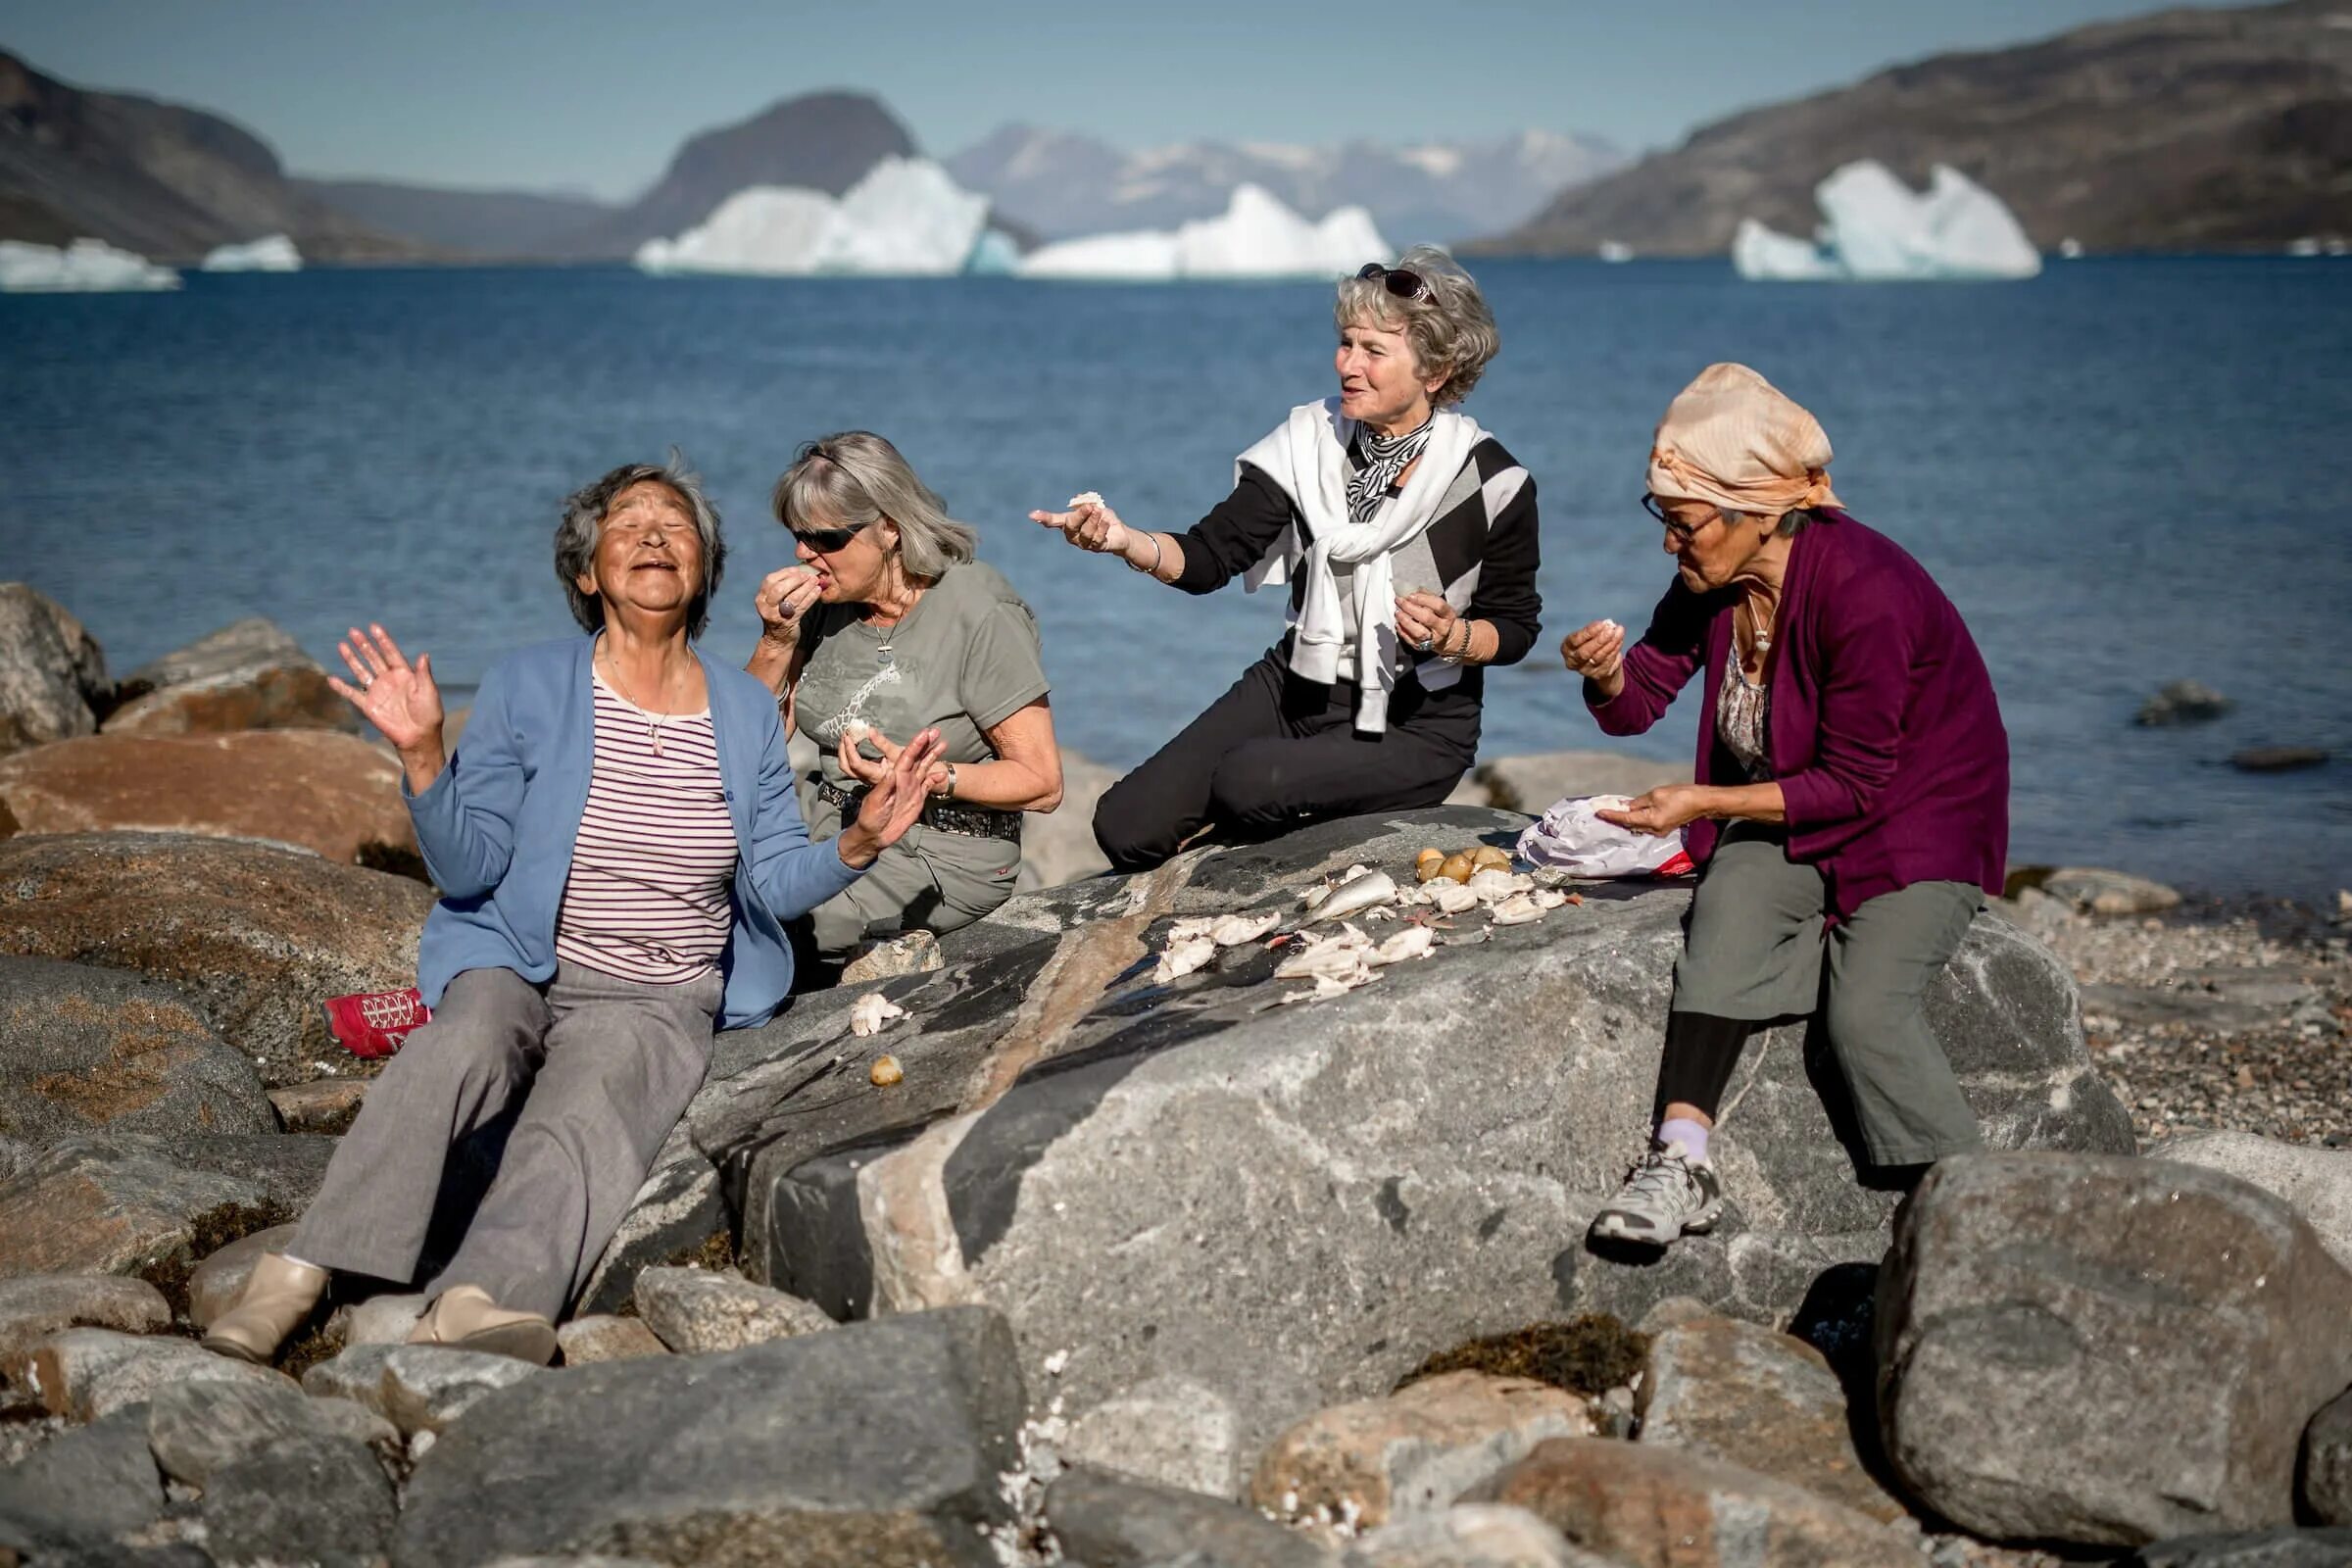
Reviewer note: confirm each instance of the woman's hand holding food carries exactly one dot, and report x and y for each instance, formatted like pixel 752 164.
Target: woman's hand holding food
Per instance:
pixel 1596 652
pixel 784 597
pixel 1090 524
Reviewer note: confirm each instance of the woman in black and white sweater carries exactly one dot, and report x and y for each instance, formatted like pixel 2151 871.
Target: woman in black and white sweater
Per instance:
pixel 1407 536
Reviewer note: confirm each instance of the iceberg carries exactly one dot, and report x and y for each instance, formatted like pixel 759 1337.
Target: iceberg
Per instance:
pixel 996 255
pixel 1255 237
pixel 274 254
pixel 87 265
pixel 906 219
pixel 1876 229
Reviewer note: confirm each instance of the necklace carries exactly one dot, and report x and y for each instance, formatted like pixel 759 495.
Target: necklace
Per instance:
pixel 1759 630
pixel 652 720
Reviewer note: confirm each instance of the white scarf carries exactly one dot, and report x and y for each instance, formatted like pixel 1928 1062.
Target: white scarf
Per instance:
pixel 1306 456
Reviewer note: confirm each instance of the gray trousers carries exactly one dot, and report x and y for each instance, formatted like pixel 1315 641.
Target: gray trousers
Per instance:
pixel 1756 950
pixel 602 1068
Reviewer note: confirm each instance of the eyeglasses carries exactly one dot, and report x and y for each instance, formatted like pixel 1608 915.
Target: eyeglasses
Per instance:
pixel 1406 285
pixel 824 541
pixel 1682 533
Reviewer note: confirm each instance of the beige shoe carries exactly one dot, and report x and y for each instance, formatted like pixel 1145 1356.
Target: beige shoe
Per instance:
pixel 464 1316
pixel 276 1299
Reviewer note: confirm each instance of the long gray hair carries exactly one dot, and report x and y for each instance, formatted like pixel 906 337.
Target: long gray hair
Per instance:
pixel 584 513
pixel 854 478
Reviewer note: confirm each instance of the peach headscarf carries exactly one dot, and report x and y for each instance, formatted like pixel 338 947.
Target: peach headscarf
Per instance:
pixel 1733 439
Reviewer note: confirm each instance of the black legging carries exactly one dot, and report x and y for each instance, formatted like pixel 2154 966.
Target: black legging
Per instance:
pixel 1276 751
pixel 1702 1049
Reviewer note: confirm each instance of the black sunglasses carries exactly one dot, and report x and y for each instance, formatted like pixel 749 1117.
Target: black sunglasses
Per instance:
pixel 1680 532
pixel 1404 284
pixel 824 541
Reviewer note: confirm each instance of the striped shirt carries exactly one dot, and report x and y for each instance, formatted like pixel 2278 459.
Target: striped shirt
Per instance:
pixel 648 898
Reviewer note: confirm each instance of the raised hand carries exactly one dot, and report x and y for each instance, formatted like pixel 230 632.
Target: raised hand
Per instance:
pixel 894 803
pixel 1596 652
pixel 1090 526
pixel 399 699
pixel 870 773
pixel 784 597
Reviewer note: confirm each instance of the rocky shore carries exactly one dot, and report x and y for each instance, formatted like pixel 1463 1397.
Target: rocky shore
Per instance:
pixel 1126 1266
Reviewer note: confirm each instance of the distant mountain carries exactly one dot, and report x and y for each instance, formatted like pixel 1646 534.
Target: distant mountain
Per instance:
pixel 166 181
pixel 2186 129
pixel 820 141
pixel 1063 184
pixel 504 223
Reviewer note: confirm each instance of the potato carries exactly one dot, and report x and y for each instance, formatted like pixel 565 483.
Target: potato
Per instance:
pixel 1426 863
pixel 1455 868
pixel 1487 856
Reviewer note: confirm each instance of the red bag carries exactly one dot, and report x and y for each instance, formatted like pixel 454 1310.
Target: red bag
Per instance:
pixel 375 1023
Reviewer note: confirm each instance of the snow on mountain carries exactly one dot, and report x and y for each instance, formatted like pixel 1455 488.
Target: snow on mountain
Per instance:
pixel 906 219
pixel 1255 236
pixel 1876 228
pixel 1063 184
pixel 273 254
pixel 85 266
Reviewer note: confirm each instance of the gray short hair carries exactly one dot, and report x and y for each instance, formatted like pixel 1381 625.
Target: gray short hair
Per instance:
pixel 1791 524
pixel 1451 328
pixel 854 478
pixel 584 513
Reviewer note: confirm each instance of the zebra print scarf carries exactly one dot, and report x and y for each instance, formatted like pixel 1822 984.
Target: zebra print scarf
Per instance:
pixel 1385 458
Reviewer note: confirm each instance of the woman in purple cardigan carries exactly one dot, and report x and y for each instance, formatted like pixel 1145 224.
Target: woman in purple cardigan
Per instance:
pixel 1851 803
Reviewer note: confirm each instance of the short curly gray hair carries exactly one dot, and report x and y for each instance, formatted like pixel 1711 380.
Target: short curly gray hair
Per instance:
pixel 584 513
pixel 1451 328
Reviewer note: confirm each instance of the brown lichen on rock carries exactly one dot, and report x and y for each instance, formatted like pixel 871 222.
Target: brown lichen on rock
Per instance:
pixel 1589 1354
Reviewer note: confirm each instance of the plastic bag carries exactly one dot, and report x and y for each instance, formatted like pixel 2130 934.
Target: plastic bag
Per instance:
pixel 1572 837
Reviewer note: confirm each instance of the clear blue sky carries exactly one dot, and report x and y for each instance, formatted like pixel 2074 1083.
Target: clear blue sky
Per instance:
pixel 595 95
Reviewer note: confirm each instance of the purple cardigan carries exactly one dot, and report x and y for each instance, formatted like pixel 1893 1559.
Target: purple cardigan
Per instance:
pixel 1883 731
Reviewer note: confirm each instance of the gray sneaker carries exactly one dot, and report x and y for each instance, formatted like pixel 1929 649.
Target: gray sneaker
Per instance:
pixel 1665 1197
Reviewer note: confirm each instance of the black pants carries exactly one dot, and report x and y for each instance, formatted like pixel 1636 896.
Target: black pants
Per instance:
pixel 1277 750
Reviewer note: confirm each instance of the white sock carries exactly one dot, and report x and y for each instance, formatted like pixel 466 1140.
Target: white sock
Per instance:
pixel 1692 1135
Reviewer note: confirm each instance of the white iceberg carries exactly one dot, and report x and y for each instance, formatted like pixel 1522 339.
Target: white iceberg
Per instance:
pixel 906 219
pixel 273 254
pixel 1876 228
pixel 997 254
pixel 87 265
pixel 1256 236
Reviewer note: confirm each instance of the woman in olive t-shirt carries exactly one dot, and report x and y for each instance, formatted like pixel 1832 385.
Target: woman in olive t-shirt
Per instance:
pixel 887 627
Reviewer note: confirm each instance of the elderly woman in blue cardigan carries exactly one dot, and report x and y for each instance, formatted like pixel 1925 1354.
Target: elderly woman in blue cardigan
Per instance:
pixel 619 849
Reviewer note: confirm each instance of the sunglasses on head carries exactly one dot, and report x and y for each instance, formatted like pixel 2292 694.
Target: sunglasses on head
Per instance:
pixel 1406 285
pixel 824 541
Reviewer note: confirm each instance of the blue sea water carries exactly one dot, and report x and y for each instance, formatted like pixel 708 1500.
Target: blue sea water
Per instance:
pixel 2125 472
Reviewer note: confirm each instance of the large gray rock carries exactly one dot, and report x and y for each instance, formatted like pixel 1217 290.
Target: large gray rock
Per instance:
pixel 2097 890
pixel 113 1203
pixel 81 1490
pixel 35 1306
pixel 1111 1521
pixel 880 1444
pixel 321 1501
pixel 2257 1548
pixel 2106 1352
pixel 678 1208
pixel 253 937
pixel 697 1311
pixel 2326 1467
pixel 1472 1535
pixel 197 1428
pixel 426 1388
pixel 249 675
pixel 1532 783
pixel 2316 1183
pixel 1231 1213
pixel 83 1049
pixel 52 671
pixel 89 1374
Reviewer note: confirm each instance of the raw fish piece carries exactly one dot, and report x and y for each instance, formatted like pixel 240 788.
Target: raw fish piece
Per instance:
pixel 1183 957
pixel 1191 929
pixel 1231 930
pixel 1456 898
pixel 1520 908
pixel 873 1012
pixel 1492 887
pixel 1085 498
pixel 1413 942
pixel 1356 894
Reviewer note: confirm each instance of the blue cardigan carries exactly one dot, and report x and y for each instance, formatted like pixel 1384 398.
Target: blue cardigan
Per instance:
pixel 498 827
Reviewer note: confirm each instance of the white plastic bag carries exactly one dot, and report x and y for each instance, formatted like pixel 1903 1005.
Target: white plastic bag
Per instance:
pixel 1572 837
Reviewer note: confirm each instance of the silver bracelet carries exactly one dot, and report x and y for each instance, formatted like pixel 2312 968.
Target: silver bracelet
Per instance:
pixel 949 793
pixel 1464 652
pixel 1152 571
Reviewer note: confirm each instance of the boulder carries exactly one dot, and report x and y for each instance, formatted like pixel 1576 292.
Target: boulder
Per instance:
pixel 1233 1212
pixel 2316 1183
pixel 1414 1452
pixel 35 1306
pixel 1111 1521
pixel 2184 702
pixel 1648 1505
pixel 2105 1351
pixel 2096 891
pixel 198 1428
pixel 601 1337
pixel 426 1387
pixel 115 1202
pixel 678 1208
pixel 1471 1535
pixel 86 1374
pixel 1059 846
pixel 323 1501
pixel 323 1106
pixel 250 676
pixel 80 1492
pixel 2278 758
pixel 83 1048
pixel 1532 783
pixel 2258 1549
pixel 2326 1462
pixel 52 671
pixel 696 1312
pixel 1740 1393
pixel 316 790
pixel 354 1373
pixel 881 1445
pixel 254 937
pixel 385 1319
